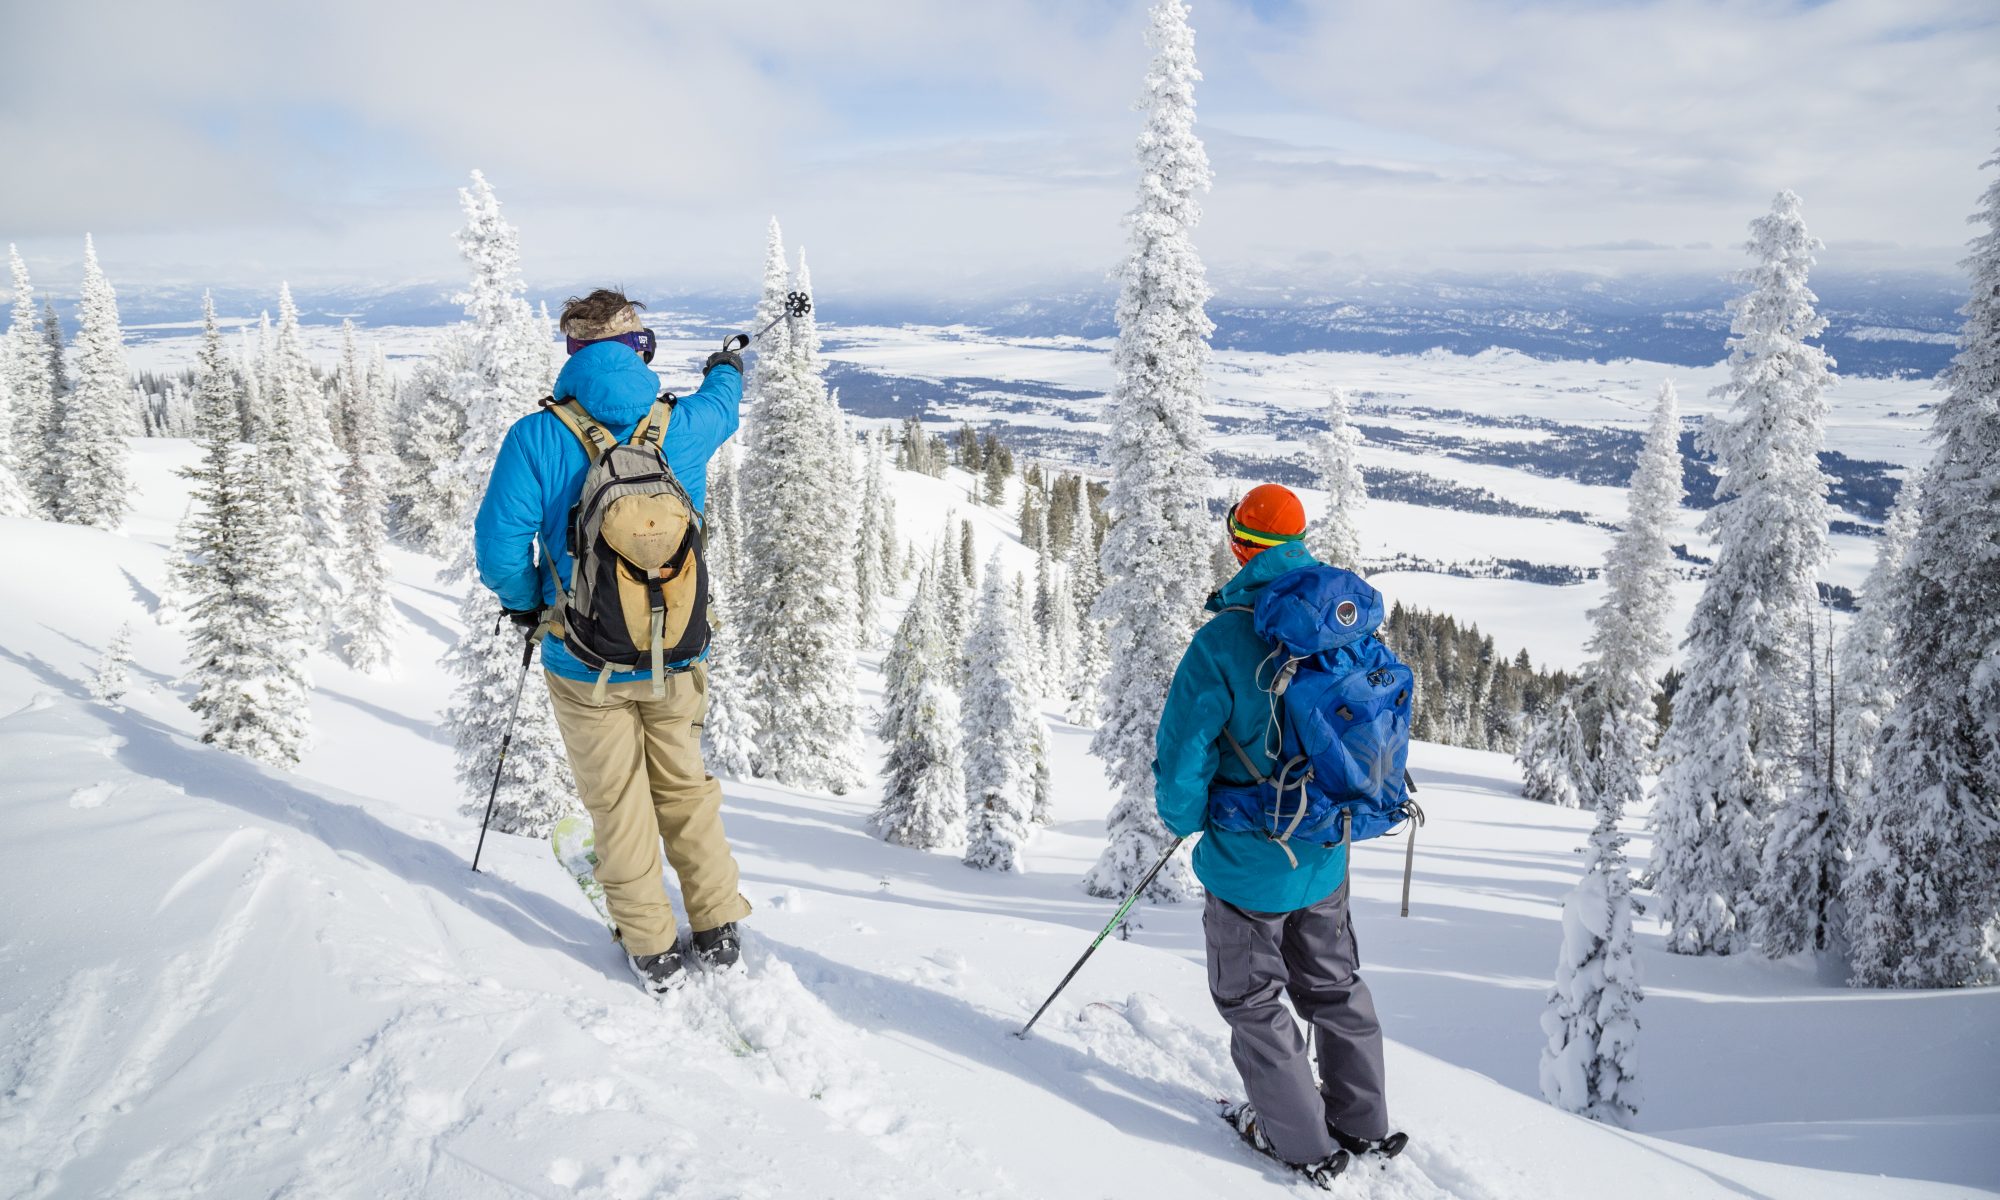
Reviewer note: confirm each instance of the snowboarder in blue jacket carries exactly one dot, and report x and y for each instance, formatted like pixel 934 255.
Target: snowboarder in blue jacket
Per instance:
pixel 636 752
pixel 1274 928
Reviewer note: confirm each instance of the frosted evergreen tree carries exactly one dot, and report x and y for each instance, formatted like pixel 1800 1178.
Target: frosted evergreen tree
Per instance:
pixel 306 458
pixel 871 568
pixel 24 364
pixel 1155 558
pixel 728 732
pixel 923 796
pixel 430 500
pixel 1555 766
pixel 1053 627
pixel 247 633
pixel 1590 1062
pixel 1336 537
pixel 1871 682
pixel 113 677
pixel 1629 634
pixel 1732 755
pixel 798 568
pixel 1084 584
pixel 350 389
pixel 1808 848
pixel 366 624
pixel 91 484
pixel 506 370
pixel 999 733
pixel 217 429
pixel 1923 896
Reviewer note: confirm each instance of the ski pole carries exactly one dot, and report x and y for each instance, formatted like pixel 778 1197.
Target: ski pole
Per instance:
pixel 506 739
pixel 1116 918
pixel 797 304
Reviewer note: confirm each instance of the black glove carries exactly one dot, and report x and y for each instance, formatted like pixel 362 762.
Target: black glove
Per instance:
pixel 718 358
pixel 526 618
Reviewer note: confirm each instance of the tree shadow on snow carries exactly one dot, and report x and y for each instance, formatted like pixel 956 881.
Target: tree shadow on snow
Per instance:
pixel 153 750
pixel 1170 1114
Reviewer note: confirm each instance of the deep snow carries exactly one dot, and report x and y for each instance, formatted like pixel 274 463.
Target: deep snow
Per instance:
pixel 222 980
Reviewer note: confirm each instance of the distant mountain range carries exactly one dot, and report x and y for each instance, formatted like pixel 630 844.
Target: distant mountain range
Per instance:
pixel 1888 324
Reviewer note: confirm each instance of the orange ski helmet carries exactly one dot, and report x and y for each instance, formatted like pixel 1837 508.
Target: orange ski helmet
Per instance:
pixel 1268 515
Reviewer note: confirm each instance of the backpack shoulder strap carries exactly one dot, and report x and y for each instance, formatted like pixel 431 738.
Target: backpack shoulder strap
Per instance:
pixel 1244 757
pixel 596 438
pixel 653 426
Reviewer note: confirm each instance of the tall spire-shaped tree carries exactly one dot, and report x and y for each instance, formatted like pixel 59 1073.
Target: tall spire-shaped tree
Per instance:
pixel 506 370
pixel 1336 537
pixel 91 485
pixel 304 458
pixel 799 556
pixel 1732 755
pixel 923 797
pixel 999 733
pixel 1871 682
pixel 1924 893
pixel 27 372
pixel 367 622
pixel 1156 557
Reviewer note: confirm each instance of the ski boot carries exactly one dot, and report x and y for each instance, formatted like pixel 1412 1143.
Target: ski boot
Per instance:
pixel 1378 1150
pixel 660 973
pixel 719 949
pixel 1321 1174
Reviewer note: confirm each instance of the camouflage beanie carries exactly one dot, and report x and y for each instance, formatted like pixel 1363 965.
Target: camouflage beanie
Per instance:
pixel 625 320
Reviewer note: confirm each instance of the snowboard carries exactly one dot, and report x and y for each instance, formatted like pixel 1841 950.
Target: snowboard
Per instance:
pixel 575 843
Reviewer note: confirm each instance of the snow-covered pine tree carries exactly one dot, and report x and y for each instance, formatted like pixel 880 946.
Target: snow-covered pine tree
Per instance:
pixel 999 733
pixel 1081 578
pixel 1809 845
pixel 1156 557
pixel 1023 610
pixel 217 429
pixel 1590 1062
pixel 1629 635
pixel 305 457
pixel 113 678
pixel 1555 767
pixel 1053 625
pixel 366 624
pixel 968 554
pixel 728 732
pixel 798 574
pixel 430 501
pixel 25 364
pixel 923 787
pixel 871 569
pixel 247 639
pixel 1870 681
pixel 1732 755
pixel 350 389
pixel 954 603
pixel 1924 894
pixel 506 371
pixel 91 483
pixel 1336 537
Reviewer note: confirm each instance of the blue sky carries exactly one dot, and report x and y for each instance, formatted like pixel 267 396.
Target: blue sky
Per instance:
pixel 940 148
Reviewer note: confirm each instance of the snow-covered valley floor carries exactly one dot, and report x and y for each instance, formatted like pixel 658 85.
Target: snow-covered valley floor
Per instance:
pixel 219 980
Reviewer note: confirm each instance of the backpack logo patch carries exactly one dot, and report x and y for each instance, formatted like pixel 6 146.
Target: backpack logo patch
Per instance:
pixel 1346 612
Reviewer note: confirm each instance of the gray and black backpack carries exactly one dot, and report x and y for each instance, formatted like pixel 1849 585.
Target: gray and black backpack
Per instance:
pixel 639 574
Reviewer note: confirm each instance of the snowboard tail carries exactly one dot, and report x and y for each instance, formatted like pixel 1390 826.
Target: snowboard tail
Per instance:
pixel 574 841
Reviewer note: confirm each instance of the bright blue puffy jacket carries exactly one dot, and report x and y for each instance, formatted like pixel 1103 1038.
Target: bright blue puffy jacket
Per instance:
pixel 539 473
pixel 1215 687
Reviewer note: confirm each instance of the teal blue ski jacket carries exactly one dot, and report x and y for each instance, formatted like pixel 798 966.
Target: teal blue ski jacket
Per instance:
pixel 539 473
pixel 1215 687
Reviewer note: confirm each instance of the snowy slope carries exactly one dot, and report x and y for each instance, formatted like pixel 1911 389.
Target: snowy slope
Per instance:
pixel 221 980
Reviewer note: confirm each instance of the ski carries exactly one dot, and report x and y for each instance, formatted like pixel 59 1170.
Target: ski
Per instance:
pixel 574 841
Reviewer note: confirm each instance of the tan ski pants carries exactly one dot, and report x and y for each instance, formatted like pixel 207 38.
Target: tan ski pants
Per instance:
pixel 638 764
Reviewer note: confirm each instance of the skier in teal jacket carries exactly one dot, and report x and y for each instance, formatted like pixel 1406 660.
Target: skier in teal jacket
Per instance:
pixel 1274 930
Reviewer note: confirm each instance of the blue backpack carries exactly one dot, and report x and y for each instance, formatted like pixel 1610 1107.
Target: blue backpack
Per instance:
pixel 1340 706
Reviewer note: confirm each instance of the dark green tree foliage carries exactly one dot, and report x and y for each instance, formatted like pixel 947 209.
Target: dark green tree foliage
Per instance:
pixel 1467 695
pixel 965 449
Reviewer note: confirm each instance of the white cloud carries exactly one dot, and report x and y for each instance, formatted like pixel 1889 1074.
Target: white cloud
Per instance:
pixel 924 145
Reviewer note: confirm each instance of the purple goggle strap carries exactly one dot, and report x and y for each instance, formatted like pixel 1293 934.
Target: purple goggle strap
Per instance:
pixel 643 341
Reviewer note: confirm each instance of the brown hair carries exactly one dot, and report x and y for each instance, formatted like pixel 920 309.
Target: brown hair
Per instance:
pixel 595 309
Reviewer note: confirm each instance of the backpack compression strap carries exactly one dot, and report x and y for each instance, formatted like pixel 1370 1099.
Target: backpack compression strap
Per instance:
pixel 596 438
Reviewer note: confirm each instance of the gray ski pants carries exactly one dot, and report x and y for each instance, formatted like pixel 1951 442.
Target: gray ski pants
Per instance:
pixel 1254 960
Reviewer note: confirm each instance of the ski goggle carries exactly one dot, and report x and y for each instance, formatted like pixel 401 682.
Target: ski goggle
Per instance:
pixel 643 342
